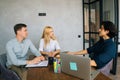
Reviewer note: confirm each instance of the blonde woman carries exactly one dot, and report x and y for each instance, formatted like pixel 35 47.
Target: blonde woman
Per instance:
pixel 49 46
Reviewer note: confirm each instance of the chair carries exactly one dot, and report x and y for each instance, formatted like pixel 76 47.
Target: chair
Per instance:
pixel 6 74
pixel 106 69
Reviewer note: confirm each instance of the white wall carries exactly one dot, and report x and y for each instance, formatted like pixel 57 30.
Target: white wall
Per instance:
pixel 64 15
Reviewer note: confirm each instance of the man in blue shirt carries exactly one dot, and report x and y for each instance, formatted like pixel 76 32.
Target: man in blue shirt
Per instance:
pixel 104 50
pixel 17 50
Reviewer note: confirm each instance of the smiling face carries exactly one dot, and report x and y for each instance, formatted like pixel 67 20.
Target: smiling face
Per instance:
pixel 48 32
pixel 51 33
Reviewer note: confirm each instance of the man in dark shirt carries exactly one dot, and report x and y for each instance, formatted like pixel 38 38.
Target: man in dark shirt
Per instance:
pixel 104 50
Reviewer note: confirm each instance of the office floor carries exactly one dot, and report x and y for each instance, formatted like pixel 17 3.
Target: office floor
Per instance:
pixel 117 76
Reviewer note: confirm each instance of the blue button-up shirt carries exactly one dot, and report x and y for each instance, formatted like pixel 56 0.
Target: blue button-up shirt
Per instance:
pixel 17 52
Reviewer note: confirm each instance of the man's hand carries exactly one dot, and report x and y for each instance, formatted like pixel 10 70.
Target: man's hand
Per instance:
pixel 36 60
pixel 32 62
pixel 42 58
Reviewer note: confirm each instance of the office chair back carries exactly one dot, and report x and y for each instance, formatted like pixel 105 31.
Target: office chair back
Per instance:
pixel 5 73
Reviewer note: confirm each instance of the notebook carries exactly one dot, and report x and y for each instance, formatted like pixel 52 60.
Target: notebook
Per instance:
pixel 41 64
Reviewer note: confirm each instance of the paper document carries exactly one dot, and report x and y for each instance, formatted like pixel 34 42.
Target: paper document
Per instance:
pixel 41 64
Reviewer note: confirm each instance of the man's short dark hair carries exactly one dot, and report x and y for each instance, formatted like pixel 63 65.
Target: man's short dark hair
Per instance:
pixel 108 25
pixel 18 27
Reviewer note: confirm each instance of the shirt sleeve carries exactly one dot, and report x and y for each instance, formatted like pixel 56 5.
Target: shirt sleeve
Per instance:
pixel 57 45
pixel 13 57
pixel 41 45
pixel 34 50
pixel 92 48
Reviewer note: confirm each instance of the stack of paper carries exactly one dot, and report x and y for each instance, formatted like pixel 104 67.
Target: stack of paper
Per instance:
pixel 41 64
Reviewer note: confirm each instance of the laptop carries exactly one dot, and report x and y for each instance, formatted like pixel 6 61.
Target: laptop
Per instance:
pixel 77 66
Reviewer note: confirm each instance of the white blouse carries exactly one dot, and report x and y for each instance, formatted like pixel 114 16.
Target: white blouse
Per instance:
pixel 52 46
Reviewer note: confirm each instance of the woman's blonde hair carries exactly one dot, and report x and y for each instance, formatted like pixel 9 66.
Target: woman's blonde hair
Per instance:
pixel 46 35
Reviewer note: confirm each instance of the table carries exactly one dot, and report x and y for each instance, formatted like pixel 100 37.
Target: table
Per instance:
pixel 47 73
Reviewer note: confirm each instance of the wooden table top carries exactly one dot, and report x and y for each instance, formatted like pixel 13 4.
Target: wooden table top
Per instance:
pixel 47 73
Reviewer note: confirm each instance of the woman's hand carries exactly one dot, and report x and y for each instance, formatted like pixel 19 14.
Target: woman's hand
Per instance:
pixel 93 63
pixel 49 54
pixel 53 54
pixel 70 53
